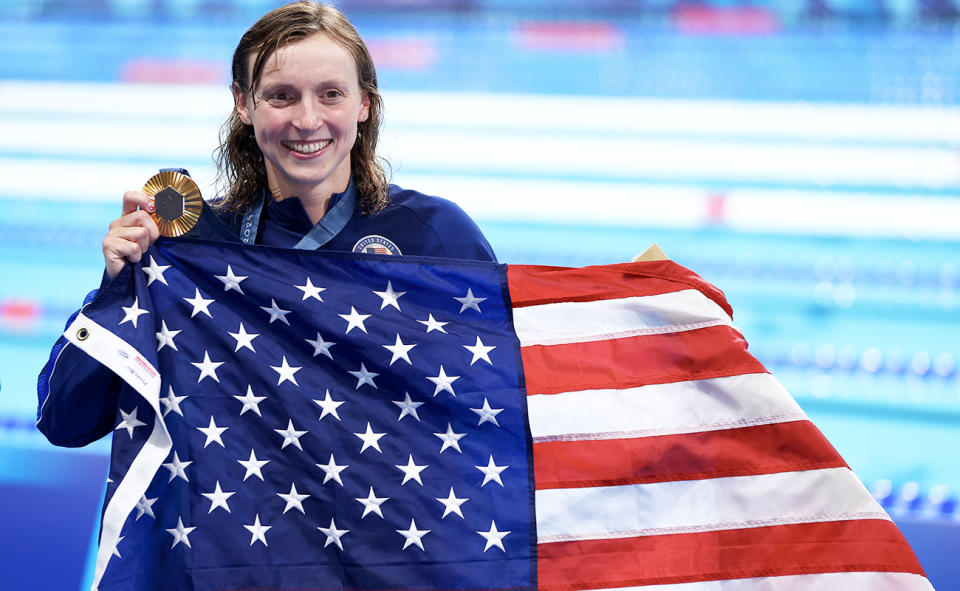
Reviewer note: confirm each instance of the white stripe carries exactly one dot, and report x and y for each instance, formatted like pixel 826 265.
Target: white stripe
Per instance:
pixel 571 322
pixel 689 506
pixel 118 356
pixel 662 409
pixel 819 582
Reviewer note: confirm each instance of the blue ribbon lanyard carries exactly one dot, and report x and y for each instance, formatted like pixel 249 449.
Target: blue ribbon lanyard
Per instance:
pixel 329 225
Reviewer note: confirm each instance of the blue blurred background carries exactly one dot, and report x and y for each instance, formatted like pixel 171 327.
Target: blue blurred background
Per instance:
pixel 803 155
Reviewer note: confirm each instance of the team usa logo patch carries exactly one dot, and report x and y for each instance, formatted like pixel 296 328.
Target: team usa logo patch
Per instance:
pixel 376 245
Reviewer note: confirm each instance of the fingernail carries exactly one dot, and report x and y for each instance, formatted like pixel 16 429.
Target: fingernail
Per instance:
pixel 151 208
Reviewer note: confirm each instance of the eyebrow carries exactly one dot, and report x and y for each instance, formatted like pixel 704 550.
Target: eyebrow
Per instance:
pixel 264 83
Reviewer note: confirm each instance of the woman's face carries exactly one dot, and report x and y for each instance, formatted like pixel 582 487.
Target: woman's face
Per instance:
pixel 305 112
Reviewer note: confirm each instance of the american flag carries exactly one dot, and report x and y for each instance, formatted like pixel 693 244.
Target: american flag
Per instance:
pixel 303 420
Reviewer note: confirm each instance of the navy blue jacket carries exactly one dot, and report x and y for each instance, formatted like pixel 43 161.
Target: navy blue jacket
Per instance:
pixel 77 397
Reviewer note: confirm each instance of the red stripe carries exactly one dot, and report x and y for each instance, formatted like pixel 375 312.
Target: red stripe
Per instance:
pixel 836 546
pixel 747 451
pixel 534 285
pixel 712 352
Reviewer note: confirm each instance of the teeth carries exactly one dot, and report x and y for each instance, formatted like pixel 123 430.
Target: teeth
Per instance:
pixel 309 148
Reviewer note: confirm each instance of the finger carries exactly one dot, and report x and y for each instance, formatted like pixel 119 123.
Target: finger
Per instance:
pixel 134 200
pixel 122 248
pixel 116 251
pixel 138 218
pixel 138 235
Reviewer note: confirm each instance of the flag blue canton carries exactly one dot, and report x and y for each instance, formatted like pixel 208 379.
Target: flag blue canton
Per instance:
pixel 338 421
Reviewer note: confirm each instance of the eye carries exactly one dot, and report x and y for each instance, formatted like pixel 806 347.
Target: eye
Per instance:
pixel 278 97
pixel 331 94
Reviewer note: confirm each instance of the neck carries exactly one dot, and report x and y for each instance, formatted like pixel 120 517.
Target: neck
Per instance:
pixel 315 202
pixel 315 197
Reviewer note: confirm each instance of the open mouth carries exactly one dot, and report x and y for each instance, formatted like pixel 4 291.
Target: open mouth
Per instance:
pixel 307 147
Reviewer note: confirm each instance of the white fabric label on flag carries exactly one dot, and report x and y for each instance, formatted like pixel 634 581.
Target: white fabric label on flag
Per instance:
pixel 128 363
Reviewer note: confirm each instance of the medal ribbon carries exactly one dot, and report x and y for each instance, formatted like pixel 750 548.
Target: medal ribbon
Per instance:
pixel 329 225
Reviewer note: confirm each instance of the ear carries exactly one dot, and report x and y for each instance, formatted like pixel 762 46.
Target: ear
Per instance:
pixel 240 102
pixel 364 108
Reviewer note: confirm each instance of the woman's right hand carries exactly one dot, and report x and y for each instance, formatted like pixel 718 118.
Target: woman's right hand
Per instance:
pixel 132 234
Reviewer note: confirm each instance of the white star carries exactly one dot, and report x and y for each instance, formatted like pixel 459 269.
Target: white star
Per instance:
pixel 294 499
pixel 333 534
pixel 493 537
pixel 286 372
pixel 177 468
pixel 390 297
pixel 199 304
pixel 145 507
pixel 451 504
pixel 171 402
pixel 363 376
pixel 253 466
pixel 480 351
pixel 213 433
pixel 487 414
pixel 329 406
pixel 311 291
pixel 231 281
pixel 491 472
pixel 450 439
pixel 276 312
pixel 207 368
pixel 129 422
pixel 332 470
pixel 133 313
pixel 411 471
pixel 433 324
pixel 290 435
pixel 218 498
pixel 257 531
pixel 250 402
pixel 469 301
pixel 443 382
pixel 407 407
pixel 116 551
pixel 370 439
pixel 371 504
pixel 244 338
pixel 321 347
pixel 180 533
pixel 155 272
pixel 354 320
pixel 413 535
pixel 165 337
pixel 400 351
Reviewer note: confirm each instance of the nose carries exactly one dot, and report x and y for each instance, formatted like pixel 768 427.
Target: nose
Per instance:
pixel 309 115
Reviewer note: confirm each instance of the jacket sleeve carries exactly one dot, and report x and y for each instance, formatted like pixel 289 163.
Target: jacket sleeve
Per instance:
pixel 76 395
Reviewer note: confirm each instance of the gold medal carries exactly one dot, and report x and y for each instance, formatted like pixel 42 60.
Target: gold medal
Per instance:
pixel 177 202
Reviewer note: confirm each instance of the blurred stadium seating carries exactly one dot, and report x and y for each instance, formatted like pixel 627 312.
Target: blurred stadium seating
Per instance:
pixel 802 155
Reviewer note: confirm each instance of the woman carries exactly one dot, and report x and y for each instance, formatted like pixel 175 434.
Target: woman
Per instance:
pixel 298 156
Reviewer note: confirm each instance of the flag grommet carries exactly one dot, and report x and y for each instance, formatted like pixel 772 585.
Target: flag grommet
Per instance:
pixel 82 334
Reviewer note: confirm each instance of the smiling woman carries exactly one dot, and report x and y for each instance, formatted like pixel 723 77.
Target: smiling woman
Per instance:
pixel 298 52
pixel 304 112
